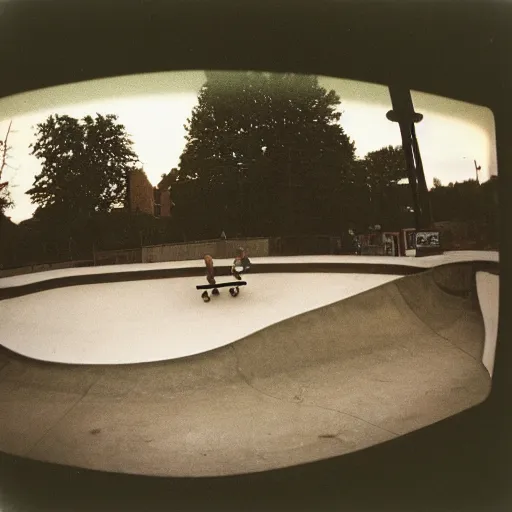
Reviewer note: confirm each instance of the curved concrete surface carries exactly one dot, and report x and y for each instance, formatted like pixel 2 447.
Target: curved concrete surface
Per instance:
pixel 330 381
pixel 488 286
pixel 110 324
pixel 331 263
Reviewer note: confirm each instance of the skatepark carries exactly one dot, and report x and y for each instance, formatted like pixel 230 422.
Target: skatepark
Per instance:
pixel 125 369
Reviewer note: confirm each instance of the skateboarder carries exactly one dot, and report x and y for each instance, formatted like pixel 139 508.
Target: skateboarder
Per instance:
pixel 210 275
pixel 241 265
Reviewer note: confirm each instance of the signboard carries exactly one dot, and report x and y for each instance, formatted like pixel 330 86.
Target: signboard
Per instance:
pixel 427 239
pixel 428 243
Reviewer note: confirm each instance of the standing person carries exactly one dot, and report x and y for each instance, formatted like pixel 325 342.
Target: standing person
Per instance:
pixel 241 265
pixel 210 277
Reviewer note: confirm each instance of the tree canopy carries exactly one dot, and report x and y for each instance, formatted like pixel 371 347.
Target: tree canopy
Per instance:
pixel 84 164
pixel 265 155
pixel 5 195
pixel 388 198
pixel 262 148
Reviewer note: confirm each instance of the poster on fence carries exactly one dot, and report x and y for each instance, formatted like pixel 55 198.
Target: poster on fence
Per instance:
pixel 427 239
pixel 428 243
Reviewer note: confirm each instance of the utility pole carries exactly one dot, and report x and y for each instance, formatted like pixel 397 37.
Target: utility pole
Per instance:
pixel 478 168
pixel 403 113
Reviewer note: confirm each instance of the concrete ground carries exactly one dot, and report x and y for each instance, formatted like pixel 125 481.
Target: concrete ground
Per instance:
pixel 327 382
pixel 160 319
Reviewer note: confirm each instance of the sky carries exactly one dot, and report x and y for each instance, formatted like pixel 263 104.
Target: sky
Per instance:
pixel 154 109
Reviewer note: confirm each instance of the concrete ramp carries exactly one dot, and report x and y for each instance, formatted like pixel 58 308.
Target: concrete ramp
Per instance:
pixel 331 381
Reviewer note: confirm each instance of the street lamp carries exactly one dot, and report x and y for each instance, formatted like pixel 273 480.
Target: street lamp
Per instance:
pixel 478 168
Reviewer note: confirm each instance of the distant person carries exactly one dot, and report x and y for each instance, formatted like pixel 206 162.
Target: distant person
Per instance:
pixel 354 245
pixel 223 235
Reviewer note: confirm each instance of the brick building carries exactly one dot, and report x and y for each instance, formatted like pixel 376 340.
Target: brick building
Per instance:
pixel 163 193
pixel 144 198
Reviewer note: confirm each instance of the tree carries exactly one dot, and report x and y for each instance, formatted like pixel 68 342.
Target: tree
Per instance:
pixel 388 201
pixel 5 196
pixel 437 183
pixel 460 201
pixel 85 163
pixel 265 153
pixel 471 204
pixel 385 167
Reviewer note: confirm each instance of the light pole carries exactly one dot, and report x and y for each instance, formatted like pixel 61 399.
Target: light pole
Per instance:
pixel 478 168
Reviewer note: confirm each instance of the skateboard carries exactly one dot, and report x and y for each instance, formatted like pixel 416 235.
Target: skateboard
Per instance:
pixel 234 290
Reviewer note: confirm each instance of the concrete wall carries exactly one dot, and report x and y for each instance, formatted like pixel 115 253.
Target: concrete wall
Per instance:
pixel 256 247
pixel 119 257
pixel 29 269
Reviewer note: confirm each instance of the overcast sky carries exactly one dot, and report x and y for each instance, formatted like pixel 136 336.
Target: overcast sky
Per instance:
pixel 154 108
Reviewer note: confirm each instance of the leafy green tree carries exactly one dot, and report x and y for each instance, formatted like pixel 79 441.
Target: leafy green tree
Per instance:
pixel 84 164
pixel 472 204
pixel 5 195
pixel 6 201
pixel 458 201
pixel 386 193
pixel 265 154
